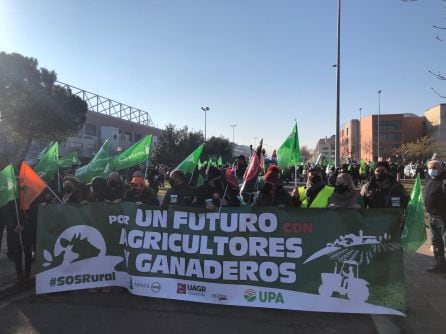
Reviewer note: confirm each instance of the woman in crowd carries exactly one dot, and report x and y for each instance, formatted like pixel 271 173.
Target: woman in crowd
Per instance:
pixel 344 195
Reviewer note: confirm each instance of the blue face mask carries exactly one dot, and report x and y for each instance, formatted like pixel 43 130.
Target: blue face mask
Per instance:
pixel 433 173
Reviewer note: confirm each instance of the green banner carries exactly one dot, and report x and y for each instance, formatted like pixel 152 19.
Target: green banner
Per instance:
pixel 69 160
pixel 48 166
pixel 96 166
pixel 191 161
pixel 288 153
pixel 134 155
pixel 8 185
pixel 315 259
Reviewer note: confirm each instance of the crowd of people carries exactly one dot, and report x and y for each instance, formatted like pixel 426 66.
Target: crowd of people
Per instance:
pixel 339 188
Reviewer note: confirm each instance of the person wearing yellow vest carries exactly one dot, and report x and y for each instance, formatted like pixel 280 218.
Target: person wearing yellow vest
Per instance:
pixel 315 194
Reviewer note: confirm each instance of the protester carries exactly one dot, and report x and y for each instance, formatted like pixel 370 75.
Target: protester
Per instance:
pixel 73 191
pixel 115 187
pixel 435 205
pixel 20 238
pixel 383 191
pixel 180 192
pixel 315 194
pixel 344 195
pixel 272 193
pixel 139 193
pixel 98 189
pixel 215 192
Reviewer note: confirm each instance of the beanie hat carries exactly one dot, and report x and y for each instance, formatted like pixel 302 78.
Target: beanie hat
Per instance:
pixel 272 175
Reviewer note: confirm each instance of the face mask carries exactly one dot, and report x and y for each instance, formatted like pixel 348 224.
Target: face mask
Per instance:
pixel 381 176
pixel 67 188
pixel 112 184
pixel 315 179
pixel 433 173
pixel 136 191
pixel 341 189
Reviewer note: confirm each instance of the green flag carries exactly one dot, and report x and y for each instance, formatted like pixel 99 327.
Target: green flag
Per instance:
pixel 48 166
pixel 191 161
pixel 8 185
pixel 414 232
pixel 288 153
pixel 42 153
pixel 96 166
pixel 136 154
pixel 219 161
pixel 68 160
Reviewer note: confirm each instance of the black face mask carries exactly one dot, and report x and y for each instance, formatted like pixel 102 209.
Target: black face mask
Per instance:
pixel 136 192
pixel 381 176
pixel 315 179
pixel 341 189
pixel 68 189
pixel 112 184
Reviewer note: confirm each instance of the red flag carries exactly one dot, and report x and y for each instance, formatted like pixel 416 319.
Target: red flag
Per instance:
pixel 250 177
pixel 30 186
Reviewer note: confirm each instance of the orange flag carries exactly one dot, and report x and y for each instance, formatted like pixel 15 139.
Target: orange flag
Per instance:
pixel 30 186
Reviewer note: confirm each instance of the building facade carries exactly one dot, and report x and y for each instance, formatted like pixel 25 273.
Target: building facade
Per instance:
pixel 349 145
pixel 379 139
pixel 435 125
pixel 99 127
pixel 326 148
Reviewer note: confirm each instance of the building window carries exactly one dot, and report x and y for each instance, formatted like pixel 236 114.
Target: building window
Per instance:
pixel 390 136
pixel 388 125
pixel 90 129
pixel 128 136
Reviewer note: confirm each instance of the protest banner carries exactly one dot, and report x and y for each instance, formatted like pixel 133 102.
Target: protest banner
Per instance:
pixel 347 261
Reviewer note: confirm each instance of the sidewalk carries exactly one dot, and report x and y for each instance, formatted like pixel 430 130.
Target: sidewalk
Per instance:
pixel 425 295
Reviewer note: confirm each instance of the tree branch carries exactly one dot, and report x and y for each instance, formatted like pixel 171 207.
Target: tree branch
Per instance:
pixel 444 97
pixel 438 76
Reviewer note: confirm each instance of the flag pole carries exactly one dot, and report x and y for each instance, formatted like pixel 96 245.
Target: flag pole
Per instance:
pixel 16 208
pixel 295 176
pixel 18 221
pixel 54 194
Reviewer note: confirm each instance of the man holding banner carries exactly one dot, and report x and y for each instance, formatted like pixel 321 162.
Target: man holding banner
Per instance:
pixel 435 204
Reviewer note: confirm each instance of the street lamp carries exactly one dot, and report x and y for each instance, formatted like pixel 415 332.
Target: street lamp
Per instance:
pixel 359 148
pixel 205 109
pixel 379 114
pixel 233 126
pixel 338 89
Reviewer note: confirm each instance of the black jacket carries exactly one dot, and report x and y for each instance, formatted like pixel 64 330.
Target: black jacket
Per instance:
pixel 435 196
pixel 386 194
pixel 221 190
pixel 265 198
pixel 182 195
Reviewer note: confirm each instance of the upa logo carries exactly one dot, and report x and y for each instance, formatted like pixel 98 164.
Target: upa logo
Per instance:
pixel 264 296
pixel 250 295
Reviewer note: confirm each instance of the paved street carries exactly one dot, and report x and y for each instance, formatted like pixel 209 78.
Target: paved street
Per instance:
pixel 82 312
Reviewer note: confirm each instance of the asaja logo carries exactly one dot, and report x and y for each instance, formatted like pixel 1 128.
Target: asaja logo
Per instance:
pixel 250 295
pixel 155 287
